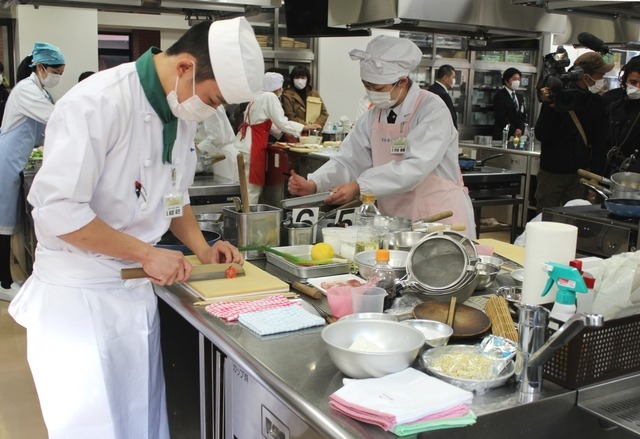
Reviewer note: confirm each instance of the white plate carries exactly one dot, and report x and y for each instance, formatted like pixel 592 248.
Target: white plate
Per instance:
pixel 318 281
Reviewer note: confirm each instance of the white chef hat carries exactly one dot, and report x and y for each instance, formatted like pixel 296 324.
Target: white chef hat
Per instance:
pixel 387 59
pixel 272 81
pixel 236 59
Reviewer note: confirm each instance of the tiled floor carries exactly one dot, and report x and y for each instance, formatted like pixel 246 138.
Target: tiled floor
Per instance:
pixel 20 416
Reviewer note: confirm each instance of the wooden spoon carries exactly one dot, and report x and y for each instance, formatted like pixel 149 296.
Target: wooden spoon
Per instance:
pixel 452 311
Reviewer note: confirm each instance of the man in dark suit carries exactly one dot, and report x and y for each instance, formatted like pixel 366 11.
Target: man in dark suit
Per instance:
pixel 508 107
pixel 445 80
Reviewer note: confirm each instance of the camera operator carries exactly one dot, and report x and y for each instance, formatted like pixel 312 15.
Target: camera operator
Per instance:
pixel 623 115
pixel 572 131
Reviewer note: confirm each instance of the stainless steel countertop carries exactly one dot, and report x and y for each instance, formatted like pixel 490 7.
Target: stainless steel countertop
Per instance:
pixel 498 149
pixel 297 369
pixel 210 185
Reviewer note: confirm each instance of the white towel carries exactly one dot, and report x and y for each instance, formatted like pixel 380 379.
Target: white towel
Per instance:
pixel 274 321
pixel 408 395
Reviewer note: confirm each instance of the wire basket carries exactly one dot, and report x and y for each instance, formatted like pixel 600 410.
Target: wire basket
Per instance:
pixel 597 355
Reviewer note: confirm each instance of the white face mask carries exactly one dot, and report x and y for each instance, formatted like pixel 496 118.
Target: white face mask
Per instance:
pixel 300 83
pixel 453 82
pixel 515 85
pixel 382 99
pixel 633 92
pixel 50 81
pixel 192 109
pixel 595 88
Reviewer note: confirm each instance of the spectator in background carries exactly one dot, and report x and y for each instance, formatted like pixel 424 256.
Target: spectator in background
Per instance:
pixel 85 75
pixel 508 107
pixel 218 139
pixel 27 112
pixel 623 116
pixel 301 102
pixel 445 80
pixel 572 140
pixel 4 90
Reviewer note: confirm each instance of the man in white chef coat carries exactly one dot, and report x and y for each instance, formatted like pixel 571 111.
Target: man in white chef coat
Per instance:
pixel 119 159
pixel 404 150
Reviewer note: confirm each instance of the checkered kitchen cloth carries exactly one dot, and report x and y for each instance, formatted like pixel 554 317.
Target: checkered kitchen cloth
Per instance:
pixel 275 321
pixel 230 311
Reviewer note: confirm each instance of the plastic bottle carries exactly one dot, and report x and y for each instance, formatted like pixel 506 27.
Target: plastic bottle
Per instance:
pixel 532 139
pixel 569 282
pixel 590 268
pixel 383 276
pixel 368 219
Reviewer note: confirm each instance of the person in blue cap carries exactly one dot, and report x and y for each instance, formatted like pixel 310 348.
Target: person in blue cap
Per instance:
pixel 26 114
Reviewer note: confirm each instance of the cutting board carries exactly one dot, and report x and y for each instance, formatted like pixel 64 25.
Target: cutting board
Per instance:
pixel 513 252
pixel 254 281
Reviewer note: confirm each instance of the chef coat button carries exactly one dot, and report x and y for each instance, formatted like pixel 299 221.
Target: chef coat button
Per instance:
pixel 147 118
pixel 147 163
pixel 143 206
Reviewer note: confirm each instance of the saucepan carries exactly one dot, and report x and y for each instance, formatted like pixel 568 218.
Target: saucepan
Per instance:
pixel 621 203
pixel 469 164
pixel 622 185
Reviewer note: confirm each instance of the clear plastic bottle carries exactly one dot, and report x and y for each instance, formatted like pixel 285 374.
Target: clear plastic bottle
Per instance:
pixel 367 222
pixel 383 276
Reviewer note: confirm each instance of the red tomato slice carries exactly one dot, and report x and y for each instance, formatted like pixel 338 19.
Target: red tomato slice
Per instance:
pixel 231 272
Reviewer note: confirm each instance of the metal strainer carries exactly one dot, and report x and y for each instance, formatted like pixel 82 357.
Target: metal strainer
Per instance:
pixel 438 262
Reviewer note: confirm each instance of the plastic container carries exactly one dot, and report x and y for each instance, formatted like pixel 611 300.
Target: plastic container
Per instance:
pixel 341 302
pixel 368 219
pixel 384 276
pixel 367 299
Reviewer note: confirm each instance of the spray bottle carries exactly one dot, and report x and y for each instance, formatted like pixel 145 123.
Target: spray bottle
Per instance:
pixel 569 282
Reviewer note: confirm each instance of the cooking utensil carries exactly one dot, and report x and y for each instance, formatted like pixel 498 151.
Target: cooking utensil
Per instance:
pixel 621 184
pixel 198 272
pixel 435 333
pixel 469 164
pixel 325 315
pixel 629 208
pixel 170 242
pixel 438 227
pixel 452 311
pixel 437 217
pixel 438 262
pixel 306 289
pixel 305 200
pixel 244 187
pixel 468 321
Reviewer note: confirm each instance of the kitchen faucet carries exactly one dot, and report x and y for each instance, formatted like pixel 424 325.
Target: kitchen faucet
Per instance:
pixel 533 352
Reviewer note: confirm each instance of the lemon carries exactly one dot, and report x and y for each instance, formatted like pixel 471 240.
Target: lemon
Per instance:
pixel 321 250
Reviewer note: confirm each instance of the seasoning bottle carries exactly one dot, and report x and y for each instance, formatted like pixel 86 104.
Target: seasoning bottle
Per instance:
pixel 368 219
pixel 382 275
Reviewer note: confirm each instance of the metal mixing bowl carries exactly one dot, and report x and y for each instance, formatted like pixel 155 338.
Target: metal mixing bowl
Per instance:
pixel 367 259
pixel 404 240
pixel 486 275
pixel 397 345
pixel 435 333
pixel 370 316
pixel 461 292
pixel 493 260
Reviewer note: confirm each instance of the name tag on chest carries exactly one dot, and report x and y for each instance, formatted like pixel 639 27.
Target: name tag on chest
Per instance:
pixel 399 145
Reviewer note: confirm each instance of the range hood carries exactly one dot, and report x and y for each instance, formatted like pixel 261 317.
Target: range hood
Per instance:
pixel 240 7
pixel 478 19
pixel 602 9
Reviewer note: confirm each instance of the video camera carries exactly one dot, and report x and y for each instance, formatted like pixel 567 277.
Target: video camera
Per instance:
pixel 557 79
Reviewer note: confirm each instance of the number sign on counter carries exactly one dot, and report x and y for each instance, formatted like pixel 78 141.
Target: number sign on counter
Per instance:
pixel 346 216
pixel 307 215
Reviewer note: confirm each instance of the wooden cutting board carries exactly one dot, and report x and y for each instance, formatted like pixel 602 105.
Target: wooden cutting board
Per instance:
pixel 254 281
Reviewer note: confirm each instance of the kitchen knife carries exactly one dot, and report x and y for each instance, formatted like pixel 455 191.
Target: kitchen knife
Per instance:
pixel 198 272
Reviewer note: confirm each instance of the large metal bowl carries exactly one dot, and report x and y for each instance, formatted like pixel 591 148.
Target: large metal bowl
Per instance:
pixel 398 346
pixel 367 259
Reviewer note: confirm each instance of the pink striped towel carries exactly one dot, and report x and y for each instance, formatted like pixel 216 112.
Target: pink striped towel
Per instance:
pixel 229 311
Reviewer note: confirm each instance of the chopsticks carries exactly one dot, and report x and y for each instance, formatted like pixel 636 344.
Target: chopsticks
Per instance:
pixel 242 298
pixel 325 315
pixel 452 311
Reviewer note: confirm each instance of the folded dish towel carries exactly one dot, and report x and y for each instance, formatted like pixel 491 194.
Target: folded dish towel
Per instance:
pixel 401 397
pixel 275 321
pixel 230 311
pixel 435 424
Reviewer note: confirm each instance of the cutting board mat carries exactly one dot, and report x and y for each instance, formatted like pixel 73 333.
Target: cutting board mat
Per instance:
pixel 254 281
pixel 513 252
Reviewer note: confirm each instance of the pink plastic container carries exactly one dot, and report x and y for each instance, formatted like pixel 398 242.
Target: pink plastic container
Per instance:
pixel 340 301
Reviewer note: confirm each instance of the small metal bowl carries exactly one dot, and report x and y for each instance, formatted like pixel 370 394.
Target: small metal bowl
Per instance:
pixel 493 260
pixel 518 276
pixel 511 294
pixel 367 259
pixel 435 333
pixel 404 240
pixel 486 275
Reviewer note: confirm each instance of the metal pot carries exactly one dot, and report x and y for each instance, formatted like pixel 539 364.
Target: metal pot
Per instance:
pixel 622 185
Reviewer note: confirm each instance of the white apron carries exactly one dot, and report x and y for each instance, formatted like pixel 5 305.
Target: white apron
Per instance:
pixel 433 195
pixel 124 335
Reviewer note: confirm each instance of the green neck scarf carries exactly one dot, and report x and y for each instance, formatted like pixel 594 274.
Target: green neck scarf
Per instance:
pixel 158 100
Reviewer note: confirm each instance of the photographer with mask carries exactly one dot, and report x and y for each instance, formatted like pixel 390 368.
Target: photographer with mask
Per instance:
pixel 572 131
pixel 623 116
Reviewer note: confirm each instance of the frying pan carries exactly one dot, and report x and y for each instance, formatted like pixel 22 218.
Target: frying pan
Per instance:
pixel 469 164
pixel 623 207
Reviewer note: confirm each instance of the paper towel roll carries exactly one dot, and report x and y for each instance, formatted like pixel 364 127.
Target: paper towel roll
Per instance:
pixel 545 241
